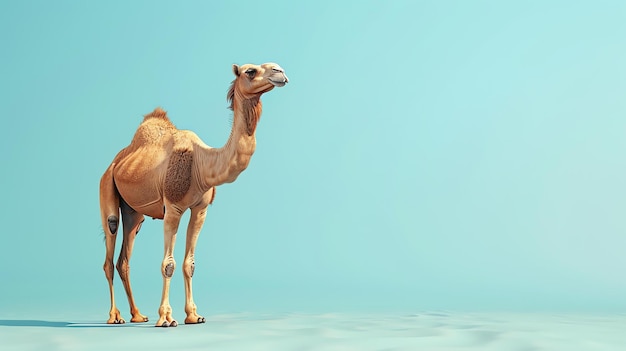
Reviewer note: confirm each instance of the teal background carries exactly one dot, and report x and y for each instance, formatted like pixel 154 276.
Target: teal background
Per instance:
pixel 425 154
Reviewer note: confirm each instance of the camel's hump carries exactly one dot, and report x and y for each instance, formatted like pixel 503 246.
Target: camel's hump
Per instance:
pixel 157 113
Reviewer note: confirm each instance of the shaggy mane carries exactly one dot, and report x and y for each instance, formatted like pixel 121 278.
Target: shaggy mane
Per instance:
pixel 230 96
pixel 251 108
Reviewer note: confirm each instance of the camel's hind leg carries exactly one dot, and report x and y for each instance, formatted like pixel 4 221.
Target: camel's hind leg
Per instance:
pixel 131 221
pixel 109 211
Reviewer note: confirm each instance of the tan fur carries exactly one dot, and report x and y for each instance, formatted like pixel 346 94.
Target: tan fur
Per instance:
pixel 166 171
pixel 212 195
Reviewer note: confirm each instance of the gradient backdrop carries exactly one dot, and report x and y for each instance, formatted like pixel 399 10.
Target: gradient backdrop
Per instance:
pixel 425 155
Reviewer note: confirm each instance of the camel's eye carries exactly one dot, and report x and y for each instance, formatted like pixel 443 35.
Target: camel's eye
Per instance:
pixel 251 72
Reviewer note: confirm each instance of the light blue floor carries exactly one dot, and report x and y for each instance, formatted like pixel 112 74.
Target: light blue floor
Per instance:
pixel 419 331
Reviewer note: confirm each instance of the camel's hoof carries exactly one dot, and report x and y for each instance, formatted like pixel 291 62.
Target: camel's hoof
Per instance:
pixel 119 321
pixel 140 319
pixel 188 320
pixel 166 324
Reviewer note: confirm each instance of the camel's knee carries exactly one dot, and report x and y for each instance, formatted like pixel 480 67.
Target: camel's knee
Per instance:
pixel 114 223
pixel 122 267
pixel 167 268
pixel 189 268
pixel 108 269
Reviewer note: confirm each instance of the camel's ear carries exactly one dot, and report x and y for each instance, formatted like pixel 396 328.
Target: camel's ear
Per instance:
pixel 236 70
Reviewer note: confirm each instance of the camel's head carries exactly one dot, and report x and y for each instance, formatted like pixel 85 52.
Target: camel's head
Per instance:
pixel 258 79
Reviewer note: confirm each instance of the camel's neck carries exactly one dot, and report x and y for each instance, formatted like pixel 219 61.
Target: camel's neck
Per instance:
pixel 223 165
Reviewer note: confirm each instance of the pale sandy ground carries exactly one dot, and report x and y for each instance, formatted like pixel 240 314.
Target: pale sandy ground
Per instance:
pixel 421 331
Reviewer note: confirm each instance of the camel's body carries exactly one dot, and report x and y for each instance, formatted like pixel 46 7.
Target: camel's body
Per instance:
pixel 165 171
pixel 141 169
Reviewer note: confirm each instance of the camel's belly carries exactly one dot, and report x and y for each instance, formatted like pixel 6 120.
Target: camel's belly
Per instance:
pixel 148 202
pixel 156 210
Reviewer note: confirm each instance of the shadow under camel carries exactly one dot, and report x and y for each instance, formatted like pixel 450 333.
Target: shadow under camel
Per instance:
pixel 57 324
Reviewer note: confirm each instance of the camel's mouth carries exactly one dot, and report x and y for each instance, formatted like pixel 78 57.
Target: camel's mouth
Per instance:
pixel 278 83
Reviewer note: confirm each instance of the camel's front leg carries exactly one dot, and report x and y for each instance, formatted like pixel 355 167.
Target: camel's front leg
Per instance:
pixel 170 226
pixel 196 221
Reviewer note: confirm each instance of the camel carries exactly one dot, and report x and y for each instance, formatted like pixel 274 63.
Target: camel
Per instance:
pixel 166 171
